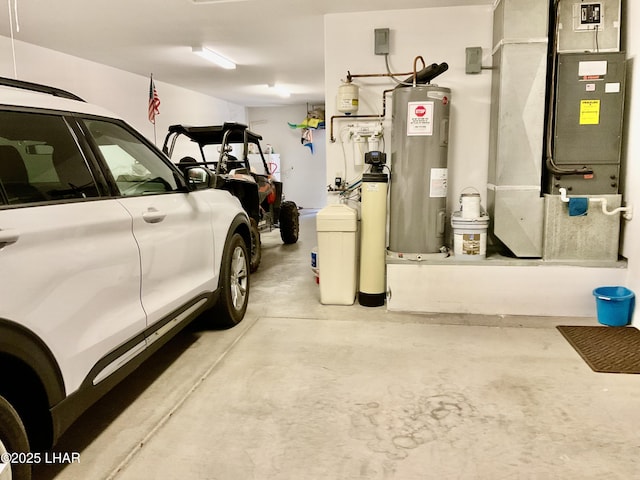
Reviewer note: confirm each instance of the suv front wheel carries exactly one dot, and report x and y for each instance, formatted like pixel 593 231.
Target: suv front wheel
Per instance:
pixel 13 441
pixel 234 283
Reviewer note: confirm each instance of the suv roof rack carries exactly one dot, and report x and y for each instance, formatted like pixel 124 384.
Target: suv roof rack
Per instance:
pixel 36 87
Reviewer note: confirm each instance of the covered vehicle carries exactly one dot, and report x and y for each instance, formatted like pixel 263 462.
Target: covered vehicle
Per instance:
pixel 225 150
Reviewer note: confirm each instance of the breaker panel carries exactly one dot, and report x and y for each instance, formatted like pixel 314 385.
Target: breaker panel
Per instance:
pixel 587 26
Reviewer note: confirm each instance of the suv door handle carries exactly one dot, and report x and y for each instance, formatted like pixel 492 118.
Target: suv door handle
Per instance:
pixel 8 236
pixel 153 215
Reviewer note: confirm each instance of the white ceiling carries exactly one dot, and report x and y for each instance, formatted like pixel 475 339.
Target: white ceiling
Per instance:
pixel 272 41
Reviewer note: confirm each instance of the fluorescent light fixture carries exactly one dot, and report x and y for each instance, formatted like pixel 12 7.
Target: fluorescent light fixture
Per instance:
pixel 279 90
pixel 214 57
pixel 198 2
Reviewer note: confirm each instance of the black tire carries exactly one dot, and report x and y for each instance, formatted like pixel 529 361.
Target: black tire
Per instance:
pixel 13 439
pixel 256 247
pixel 234 284
pixel 289 222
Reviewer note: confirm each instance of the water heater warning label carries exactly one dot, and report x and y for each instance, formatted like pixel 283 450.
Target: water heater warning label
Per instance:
pixel 420 118
pixel 438 183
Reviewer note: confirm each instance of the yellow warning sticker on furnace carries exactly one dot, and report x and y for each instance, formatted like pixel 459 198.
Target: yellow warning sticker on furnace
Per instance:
pixel 589 112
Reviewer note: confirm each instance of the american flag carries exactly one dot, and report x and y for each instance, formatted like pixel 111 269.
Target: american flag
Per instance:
pixel 154 102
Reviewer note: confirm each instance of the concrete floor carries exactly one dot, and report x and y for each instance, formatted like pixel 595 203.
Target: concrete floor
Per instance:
pixel 300 390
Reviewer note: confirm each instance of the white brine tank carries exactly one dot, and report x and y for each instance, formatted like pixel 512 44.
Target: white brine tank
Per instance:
pixel 420 139
pixel 337 227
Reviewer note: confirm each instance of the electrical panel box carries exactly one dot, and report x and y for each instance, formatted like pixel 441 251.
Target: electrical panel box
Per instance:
pixel 588 123
pixel 588 16
pixel 473 60
pixel 381 41
pixel 585 26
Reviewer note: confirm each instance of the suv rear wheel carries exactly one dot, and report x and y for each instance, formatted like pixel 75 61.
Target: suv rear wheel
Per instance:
pixel 234 282
pixel 13 440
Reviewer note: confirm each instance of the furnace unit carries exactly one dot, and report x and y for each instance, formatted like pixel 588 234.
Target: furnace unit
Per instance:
pixel 588 124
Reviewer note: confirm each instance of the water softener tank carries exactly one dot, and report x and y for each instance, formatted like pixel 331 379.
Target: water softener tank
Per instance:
pixel 420 139
pixel 372 290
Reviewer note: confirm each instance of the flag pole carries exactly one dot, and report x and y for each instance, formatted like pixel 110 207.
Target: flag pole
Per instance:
pixel 155 138
pixel 154 103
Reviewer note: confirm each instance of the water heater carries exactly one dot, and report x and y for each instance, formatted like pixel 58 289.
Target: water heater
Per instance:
pixel 419 148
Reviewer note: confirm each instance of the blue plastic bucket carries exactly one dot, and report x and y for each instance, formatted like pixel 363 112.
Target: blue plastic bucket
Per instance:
pixel 614 305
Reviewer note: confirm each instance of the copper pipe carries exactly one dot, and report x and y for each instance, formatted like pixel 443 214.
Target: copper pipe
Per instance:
pixel 384 112
pixel 415 68
pixel 359 75
pixel 384 100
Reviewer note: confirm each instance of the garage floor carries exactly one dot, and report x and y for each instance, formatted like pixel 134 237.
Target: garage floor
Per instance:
pixel 304 391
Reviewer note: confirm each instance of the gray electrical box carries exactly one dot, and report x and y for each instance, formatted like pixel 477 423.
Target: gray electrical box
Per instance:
pixel 588 122
pixel 381 41
pixel 473 60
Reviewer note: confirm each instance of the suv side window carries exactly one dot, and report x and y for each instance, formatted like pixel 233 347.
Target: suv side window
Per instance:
pixel 136 169
pixel 40 160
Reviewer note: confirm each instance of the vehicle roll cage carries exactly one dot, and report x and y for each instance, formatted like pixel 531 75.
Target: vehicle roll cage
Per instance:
pixel 225 134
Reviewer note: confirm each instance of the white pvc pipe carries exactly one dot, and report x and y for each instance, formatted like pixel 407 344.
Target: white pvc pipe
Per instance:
pixel 628 215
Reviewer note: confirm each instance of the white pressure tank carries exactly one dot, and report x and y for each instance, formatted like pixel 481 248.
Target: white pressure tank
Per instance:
pixel 347 99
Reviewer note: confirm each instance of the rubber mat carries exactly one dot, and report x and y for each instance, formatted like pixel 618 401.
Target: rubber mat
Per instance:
pixel 606 349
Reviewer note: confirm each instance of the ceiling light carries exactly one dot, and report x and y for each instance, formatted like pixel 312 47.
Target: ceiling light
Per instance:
pixel 214 57
pixel 280 90
pixel 216 1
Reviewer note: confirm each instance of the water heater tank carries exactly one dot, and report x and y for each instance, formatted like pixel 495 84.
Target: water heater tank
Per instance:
pixel 420 139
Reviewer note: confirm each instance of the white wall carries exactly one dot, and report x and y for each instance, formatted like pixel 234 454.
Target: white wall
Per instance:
pixel 631 149
pixel 438 35
pixel 302 172
pixel 124 93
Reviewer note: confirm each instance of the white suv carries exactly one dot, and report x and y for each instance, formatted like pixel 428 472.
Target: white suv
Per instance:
pixel 106 251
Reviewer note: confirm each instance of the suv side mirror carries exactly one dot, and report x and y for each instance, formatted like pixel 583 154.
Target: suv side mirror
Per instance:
pixel 197 177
